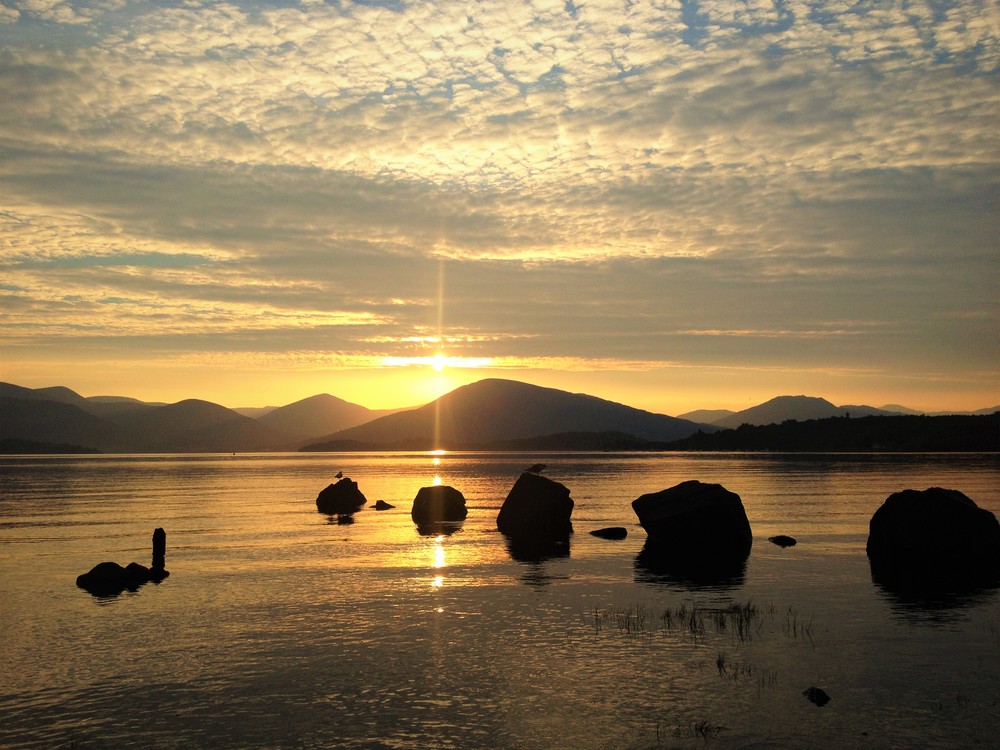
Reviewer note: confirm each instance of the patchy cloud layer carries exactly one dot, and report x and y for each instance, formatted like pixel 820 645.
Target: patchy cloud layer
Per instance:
pixel 615 186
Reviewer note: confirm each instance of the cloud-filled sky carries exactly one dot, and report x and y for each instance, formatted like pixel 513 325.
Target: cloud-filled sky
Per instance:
pixel 674 205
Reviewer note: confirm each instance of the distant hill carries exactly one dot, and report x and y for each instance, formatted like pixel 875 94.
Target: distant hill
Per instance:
pixel 318 415
pixel 794 407
pixel 905 433
pixel 39 420
pixel 706 416
pixel 495 410
pixel 198 426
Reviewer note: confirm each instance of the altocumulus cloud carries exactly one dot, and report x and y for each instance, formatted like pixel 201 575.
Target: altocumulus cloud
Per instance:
pixel 816 171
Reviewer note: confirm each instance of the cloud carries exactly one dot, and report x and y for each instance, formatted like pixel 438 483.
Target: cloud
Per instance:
pixel 602 179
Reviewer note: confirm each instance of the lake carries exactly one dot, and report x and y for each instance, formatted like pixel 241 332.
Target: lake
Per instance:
pixel 280 627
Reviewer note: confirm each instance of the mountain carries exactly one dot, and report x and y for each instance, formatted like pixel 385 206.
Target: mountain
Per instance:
pixel 198 426
pixel 799 408
pixel 60 416
pixel 706 416
pixel 318 415
pixel 495 410
pixel 39 420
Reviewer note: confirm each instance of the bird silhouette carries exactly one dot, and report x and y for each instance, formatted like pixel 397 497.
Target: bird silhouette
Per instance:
pixel 535 469
pixel 340 475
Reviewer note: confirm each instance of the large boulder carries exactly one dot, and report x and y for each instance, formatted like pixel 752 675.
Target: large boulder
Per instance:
pixel 935 538
pixel 536 508
pixel 341 498
pixel 438 504
pixel 694 522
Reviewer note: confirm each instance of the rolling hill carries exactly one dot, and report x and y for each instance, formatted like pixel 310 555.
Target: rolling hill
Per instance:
pixel 496 410
pixel 799 408
pixel 318 415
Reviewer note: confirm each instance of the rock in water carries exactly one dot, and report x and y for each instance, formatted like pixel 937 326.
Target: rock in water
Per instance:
pixel 341 498
pixel 536 507
pixel 383 505
pixel 935 538
pixel 816 695
pixel 693 521
pixel 159 549
pixel 612 532
pixel 438 503
pixel 782 540
pixel 104 579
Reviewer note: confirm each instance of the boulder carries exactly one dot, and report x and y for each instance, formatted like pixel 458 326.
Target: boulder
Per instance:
pixel 782 540
pixel 935 538
pixel 536 507
pixel 104 579
pixel 341 498
pixel 383 505
pixel 816 695
pixel 695 523
pixel 612 532
pixel 438 504
pixel 111 579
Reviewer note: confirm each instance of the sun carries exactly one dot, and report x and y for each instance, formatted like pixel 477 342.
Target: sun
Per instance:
pixel 439 362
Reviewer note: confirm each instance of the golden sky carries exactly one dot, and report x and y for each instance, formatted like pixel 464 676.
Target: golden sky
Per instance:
pixel 674 205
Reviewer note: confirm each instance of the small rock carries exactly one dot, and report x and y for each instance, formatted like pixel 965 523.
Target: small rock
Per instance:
pixel 383 505
pixel 782 540
pixel 341 498
pixel 438 503
pixel 816 695
pixel 612 532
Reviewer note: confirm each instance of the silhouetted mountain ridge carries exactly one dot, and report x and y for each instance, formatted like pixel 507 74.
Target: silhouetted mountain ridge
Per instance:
pixel 901 433
pixel 495 410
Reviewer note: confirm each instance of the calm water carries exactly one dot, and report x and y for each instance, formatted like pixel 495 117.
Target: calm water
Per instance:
pixel 281 628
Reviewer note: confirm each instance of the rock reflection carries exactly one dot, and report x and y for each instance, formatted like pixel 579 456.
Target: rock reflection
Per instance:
pixel 439 528
pixel 654 565
pixel 943 601
pixel 537 549
pixel 343 519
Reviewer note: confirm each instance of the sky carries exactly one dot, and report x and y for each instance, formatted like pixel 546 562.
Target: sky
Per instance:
pixel 674 205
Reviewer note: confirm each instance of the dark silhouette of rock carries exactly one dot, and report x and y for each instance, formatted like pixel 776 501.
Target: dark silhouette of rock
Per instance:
pixel 933 540
pixel 383 505
pixel 535 469
pixel 694 525
pixel 536 508
pixel 782 540
pixel 438 503
pixel 104 579
pixel 612 532
pixel 159 549
pixel 110 578
pixel 816 695
pixel 341 498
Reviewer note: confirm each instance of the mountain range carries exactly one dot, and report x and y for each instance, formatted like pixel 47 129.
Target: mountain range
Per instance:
pixel 492 414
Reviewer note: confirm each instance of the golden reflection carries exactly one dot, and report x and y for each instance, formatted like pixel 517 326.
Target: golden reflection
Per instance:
pixel 439 552
pixel 438 582
pixel 438 452
pixel 437 480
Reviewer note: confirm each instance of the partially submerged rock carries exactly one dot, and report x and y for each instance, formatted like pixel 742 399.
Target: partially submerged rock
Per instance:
pixel 111 579
pixel 696 522
pixel 816 695
pixel 782 540
pixel 612 532
pixel 341 498
pixel 933 539
pixel 438 503
pixel 536 508
pixel 383 505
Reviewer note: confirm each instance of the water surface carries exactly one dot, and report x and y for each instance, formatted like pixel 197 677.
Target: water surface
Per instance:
pixel 281 627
